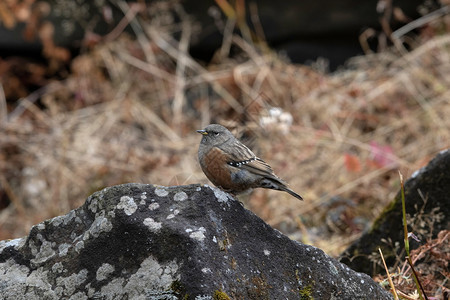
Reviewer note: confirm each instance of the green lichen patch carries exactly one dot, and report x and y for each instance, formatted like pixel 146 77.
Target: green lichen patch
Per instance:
pixel 305 293
pixel 219 295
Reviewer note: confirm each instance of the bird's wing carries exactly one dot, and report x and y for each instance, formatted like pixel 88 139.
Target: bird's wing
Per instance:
pixel 260 167
pixel 243 158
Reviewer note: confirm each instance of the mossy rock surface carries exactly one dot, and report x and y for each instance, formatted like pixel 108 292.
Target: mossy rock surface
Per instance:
pixel 431 183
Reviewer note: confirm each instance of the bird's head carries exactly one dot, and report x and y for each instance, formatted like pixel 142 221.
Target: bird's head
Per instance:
pixel 215 134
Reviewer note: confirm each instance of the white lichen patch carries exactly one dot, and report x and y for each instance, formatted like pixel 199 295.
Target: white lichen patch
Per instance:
pixel 10 243
pixel 66 285
pixel 127 204
pixel 203 297
pixel 153 206
pixel 180 196
pixel 332 268
pixel 113 290
pixel 198 234
pixel 78 296
pixel 152 224
pixel 161 192
pixel 57 268
pixel 103 271
pixel 151 276
pixel 144 196
pixel 37 278
pixel 40 226
pixel 44 252
pixel 172 215
pixel 93 205
pixel 100 224
pixel 14 274
pixel 417 172
pixel 206 270
pixel 56 221
pixel 79 246
pixel 66 219
pixel 63 248
pixel 221 195
pixel 266 252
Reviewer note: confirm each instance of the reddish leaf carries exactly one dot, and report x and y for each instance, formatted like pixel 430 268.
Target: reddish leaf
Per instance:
pixel 382 156
pixel 352 163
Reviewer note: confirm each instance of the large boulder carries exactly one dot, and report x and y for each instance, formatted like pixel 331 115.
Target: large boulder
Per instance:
pixel 137 241
pixel 426 200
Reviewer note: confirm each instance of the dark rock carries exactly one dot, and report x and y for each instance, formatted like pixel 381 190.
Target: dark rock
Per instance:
pixel 137 241
pixel 304 30
pixel 433 182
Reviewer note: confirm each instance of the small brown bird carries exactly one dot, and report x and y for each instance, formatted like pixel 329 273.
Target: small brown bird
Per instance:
pixel 231 166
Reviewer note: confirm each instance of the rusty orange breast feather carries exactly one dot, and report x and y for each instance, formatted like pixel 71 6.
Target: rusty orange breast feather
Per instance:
pixel 220 173
pixel 214 164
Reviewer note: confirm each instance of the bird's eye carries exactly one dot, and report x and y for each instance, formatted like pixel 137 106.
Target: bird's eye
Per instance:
pixel 216 133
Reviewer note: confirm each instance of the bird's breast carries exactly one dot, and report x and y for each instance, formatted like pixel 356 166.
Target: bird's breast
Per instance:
pixel 215 166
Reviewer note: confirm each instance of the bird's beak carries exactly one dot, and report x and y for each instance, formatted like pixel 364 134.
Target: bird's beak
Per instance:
pixel 202 132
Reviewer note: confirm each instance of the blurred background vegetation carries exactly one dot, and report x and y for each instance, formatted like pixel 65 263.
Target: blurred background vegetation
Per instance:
pixel 121 103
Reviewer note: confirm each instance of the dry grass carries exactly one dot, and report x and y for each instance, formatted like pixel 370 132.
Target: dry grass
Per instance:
pixel 430 262
pixel 129 109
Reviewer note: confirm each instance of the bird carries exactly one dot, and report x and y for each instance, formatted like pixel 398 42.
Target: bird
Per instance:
pixel 232 166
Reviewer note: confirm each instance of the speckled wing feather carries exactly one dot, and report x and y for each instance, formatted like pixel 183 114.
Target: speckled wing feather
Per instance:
pixel 242 157
pixel 260 167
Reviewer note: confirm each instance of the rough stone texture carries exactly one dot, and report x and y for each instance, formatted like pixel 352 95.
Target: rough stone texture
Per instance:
pixel 138 241
pixel 433 181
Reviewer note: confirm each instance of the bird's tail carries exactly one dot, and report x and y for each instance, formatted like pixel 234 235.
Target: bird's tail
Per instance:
pixel 292 193
pixel 279 185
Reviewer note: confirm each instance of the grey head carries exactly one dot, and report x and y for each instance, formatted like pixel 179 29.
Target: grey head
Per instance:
pixel 215 134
